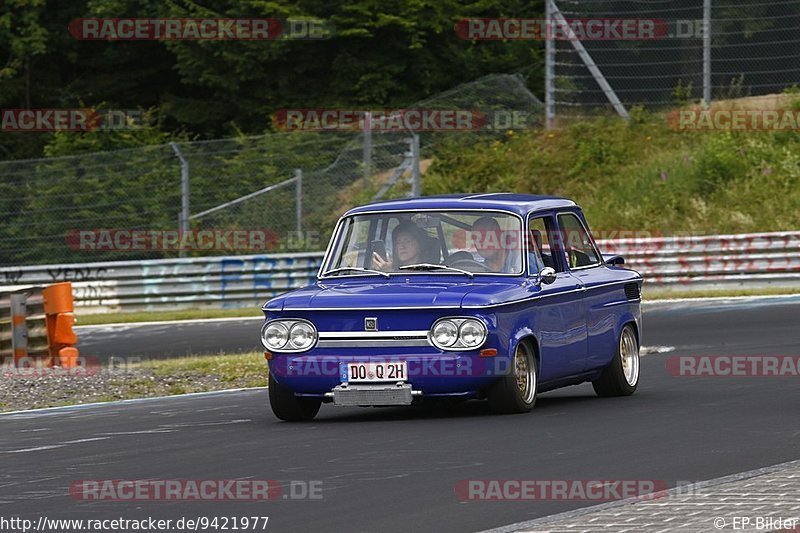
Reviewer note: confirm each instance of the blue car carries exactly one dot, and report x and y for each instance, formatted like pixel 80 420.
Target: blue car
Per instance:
pixel 495 296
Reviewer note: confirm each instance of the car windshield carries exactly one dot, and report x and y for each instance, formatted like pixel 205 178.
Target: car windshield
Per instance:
pixel 431 242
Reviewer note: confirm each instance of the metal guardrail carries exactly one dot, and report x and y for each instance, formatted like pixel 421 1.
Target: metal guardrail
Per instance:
pixel 219 282
pixel 23 326
pixel 752 260
pixel 721 261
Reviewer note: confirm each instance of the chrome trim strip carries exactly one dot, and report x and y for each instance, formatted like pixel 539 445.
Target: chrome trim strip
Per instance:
pixel 371 334
pixel 372 343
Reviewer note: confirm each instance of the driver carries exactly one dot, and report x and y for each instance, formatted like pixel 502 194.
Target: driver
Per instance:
pixel 407 241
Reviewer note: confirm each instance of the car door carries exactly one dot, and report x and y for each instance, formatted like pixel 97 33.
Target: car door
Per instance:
pixel 560 313
pixel 585 263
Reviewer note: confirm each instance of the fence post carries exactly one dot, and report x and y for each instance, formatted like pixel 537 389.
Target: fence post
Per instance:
pixel 183 219
pixel 595 71
pixel 416 178
pixel 367 155
pixel 549 68
pixel 19 327
pixel 298 200
pixel 707 52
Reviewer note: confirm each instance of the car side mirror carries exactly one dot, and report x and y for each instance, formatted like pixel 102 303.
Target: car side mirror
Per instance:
pixel 547 276
pixel 614 260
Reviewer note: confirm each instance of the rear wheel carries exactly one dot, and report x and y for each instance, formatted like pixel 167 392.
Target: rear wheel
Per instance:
pixel 516 392
pixel 289 407
pixel 621 377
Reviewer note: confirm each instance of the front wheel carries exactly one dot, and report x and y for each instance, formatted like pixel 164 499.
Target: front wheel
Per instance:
pixel 289 407
pixel 621 377
pixel 516 392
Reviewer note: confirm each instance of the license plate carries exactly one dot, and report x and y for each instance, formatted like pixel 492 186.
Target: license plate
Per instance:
pixel 373 371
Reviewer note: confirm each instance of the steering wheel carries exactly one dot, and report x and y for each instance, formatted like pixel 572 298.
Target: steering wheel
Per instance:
pixel 470 265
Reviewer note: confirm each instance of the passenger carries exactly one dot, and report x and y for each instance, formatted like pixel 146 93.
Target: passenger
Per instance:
pixel 491 246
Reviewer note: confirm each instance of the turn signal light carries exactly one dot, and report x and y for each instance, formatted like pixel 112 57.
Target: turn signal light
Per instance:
pixel 488 352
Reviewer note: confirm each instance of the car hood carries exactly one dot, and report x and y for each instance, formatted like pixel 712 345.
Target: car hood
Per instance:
pixel 401 293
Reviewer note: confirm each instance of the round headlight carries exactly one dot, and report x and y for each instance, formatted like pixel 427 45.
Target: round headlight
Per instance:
pixel 472 333
pixel 302 335
pixel 445 333
pixel 274 336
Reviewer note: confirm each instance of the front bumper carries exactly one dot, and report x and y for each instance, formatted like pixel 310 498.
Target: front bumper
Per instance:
pixel 460 374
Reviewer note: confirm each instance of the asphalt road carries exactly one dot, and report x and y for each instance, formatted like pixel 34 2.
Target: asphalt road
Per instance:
pixel 395 469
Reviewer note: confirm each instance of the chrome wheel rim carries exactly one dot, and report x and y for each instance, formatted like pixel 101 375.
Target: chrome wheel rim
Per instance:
pixel 525 374
pixel 629 353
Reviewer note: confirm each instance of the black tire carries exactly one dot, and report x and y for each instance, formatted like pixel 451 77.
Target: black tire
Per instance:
pixel 510 395
pixel 618 378
pixel 289 407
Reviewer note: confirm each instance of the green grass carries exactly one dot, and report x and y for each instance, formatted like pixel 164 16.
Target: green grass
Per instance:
pixel 154 316
pixel 246 370
pixel 638 175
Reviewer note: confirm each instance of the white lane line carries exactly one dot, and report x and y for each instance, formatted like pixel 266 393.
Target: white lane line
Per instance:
pixel 54 446
pixel 225 423
pixel 168 322
pixel 46 411
pixel 650 350
pixel 36 449
pixel 142 432
pixel 90 439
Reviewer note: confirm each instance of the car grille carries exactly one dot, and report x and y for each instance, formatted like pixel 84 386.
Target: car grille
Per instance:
pixel 355 395
pixel 632 291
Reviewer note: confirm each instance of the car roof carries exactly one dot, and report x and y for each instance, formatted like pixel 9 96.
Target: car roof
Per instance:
pixel 515 203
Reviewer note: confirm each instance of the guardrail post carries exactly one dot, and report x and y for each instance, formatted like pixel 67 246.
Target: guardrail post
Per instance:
pixel 19 327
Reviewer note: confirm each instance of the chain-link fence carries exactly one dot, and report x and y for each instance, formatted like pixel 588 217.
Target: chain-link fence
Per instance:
pixel 700 48
pixel 279 192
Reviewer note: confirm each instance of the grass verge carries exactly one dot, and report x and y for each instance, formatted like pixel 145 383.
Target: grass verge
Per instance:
pixel 150 378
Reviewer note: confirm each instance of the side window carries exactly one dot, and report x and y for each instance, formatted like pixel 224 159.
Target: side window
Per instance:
pixel 577 245
pixel 541 251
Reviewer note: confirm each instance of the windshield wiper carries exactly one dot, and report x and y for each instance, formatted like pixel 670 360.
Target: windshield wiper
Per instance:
pixel 431 266
pixel 356 269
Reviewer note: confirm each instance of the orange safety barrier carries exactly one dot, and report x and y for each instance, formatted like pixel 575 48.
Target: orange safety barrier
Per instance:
pixel 59 309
